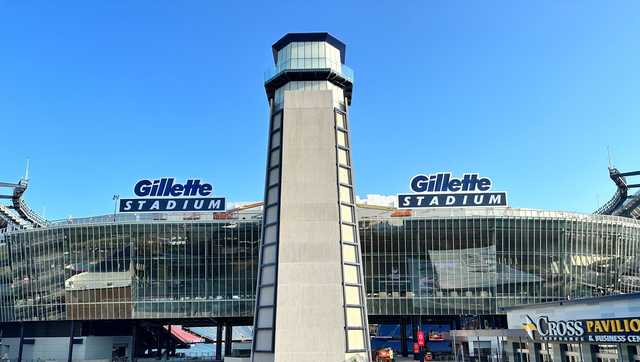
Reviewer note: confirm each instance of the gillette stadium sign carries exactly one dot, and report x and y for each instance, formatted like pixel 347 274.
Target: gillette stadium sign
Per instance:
pixel 442 189
pixel 165 194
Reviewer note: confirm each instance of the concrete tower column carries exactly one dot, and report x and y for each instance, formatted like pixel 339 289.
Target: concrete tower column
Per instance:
pixel 587 353
pixel 534 352
pixel 558 350
pixel 626 352
pixel 310 303
pixel 511 351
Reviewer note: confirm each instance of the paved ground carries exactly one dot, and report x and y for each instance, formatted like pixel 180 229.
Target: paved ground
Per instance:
pixel 407 359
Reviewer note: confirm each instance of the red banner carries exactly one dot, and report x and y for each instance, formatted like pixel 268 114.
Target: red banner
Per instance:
pixel 421 338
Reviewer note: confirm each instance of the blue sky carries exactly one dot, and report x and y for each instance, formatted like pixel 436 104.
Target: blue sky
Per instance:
pixel 98 94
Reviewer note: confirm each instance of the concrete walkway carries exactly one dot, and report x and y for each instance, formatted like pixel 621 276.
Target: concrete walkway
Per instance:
pixel 407 359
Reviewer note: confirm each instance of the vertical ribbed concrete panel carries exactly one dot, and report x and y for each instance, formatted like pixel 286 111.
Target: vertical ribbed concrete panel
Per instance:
pixel 310 311
pixel 310 294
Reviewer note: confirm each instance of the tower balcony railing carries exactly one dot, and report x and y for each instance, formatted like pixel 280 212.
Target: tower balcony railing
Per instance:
pixel 308 64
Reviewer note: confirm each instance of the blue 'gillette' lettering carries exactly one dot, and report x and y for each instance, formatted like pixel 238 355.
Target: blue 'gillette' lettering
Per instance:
pixel 444 182
pixel 165 187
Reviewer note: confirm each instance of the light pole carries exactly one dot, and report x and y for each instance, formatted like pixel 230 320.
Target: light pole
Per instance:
pixel 116 197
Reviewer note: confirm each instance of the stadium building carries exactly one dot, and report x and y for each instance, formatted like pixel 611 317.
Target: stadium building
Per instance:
pixel 142 285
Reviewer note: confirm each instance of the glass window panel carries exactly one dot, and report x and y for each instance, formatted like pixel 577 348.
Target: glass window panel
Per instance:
pixel 343 157
pixel 268 274
pixel 266 296
pixel 275 158
pixel 265 318
pixel 344 175
pixel 352 295
pixel 263 340
pixel 270 234
pixel 340 121
pixel 275 140
pixel 277 121
pixel 271 214
pixel 345 194
pixel 355 338
pixel 346 213
pixel 272 195
pixel 332 54
pixel 351 274
pixel 307 49
pixel 347 233
pixel 342 138
pixel 314 49
pixel 354 317
pixel 269 254
pixel 274 176
pixel 349 253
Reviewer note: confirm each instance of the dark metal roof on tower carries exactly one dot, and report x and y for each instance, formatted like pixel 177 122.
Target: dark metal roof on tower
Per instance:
pixel 302 37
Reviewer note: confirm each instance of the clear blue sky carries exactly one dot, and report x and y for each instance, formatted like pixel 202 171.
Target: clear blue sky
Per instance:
pixel 98 94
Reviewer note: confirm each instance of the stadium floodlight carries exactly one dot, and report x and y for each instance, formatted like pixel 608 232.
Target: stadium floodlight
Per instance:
pixel 116 197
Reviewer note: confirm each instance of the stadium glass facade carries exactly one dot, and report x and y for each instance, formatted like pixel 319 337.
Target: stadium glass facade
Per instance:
pixel 459 263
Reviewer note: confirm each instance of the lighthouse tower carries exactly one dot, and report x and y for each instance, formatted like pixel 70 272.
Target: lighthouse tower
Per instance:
pixel 310 302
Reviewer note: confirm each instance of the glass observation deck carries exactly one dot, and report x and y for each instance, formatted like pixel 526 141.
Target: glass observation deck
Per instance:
pixel 309 65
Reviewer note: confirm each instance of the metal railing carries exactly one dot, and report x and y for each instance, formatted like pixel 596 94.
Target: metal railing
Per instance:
pixel 158 217
pixel 309 64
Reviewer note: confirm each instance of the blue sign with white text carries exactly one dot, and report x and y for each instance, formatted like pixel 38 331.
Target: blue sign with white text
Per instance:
pixel 444 190
pixel 165 194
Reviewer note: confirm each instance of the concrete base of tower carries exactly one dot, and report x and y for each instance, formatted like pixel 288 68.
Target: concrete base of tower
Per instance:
pixel 310 313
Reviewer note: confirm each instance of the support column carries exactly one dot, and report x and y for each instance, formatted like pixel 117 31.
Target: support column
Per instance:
pixel 534 352
pixel 228 339
pixel 21 345
pixel 512 352
pixel 134 334
pixel 71 330
pixel 167 342
pixel 159 344
pixel 219 341
pixel 403 338
pixel 587 353
pixel 625 352
pixel 414 335
pixel 558 351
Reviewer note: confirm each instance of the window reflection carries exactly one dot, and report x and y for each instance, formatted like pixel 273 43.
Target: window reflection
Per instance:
pixel 455 265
